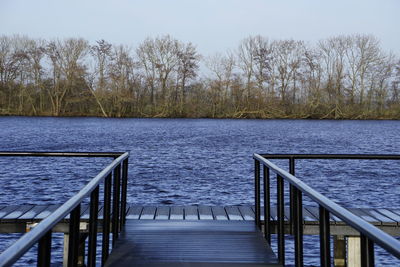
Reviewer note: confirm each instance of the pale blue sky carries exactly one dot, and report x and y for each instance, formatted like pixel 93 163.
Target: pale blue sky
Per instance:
pixel 212 25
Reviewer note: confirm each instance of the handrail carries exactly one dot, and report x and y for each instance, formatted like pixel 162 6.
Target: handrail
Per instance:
pixel 58 154
pixel 368 232
pixel 332 156
pixel 21 246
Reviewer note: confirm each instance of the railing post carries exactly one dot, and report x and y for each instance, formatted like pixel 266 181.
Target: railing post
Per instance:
pixel 291 194
pixel 367 252
pixel 292 166
pixel 124 192
pixel 339 251
pixel 93 218
pixel 267 204
pixel 74 237
pixel 324 237
pixel 106 219
pixel 44 250
pixel 298 227
pixel 116 202
pixel 257 192
pixel 281 222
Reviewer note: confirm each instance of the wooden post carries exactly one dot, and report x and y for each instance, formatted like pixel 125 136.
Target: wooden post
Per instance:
pixel 83 236
pixel 81 256
pixel 65 255
pixel 353 251
pixel 339 251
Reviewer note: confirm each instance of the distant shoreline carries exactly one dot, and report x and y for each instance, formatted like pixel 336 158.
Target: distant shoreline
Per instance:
pixel 211 118
pixel 346 77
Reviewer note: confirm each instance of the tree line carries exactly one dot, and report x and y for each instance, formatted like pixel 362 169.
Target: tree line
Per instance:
pixel 339 77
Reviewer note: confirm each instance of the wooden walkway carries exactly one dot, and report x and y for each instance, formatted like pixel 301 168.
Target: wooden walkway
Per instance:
pixel 191 243
pixel 15 219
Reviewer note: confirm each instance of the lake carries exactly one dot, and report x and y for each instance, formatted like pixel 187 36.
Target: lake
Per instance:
pixel 197 161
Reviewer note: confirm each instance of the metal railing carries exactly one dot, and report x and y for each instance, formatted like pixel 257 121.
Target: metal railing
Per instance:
pixel 369 233
pixel 115 190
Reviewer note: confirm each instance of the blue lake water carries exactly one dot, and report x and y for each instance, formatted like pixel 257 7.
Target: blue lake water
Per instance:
pixel 197 161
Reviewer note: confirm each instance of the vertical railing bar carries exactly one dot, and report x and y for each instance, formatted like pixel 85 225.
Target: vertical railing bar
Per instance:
pixel 367 251
pixel 257 192
pixel 291 194
pixel 292 167
pixel 44 251
pixel 124 192
pixel 324 235
pixel 267 205
pixel 298 227
pixel 106 219
pixel 116 201
pixel 73 242
pixel 93 219
pixel 281 210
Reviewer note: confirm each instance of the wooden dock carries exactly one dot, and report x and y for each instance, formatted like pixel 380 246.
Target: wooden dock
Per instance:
pixel 198 235
pixel 191 243
pixel 18 219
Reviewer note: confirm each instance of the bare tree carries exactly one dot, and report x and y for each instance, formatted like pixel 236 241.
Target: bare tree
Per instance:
pixel 66 58
pixel 363 54
pixel 188 65
pixel 35 53
pixel 121 74
pixel 221 67
pixel 288 55
pixel 312 82
pixel 263 60
pixel 159 59
pixel 395 84
pixel 96 79
pixel 333 57
pixel 246 57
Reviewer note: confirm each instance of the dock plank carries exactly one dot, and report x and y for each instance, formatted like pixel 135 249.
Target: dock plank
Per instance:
pixel 177 213
pixel 379 217
pixel 393 216
pixel 396 211
pixel 162 213
pixel 30 214
pixel 310 215
pixel 47 212
pixel 134 212
pixel 205 213
pixel 18 212
pixel 365 216
pixel 101 212
pixel 7 210
pixel 219 213
pixel 274 213
pixel 233 213
pixel 247 213
pixel 85 212
pixel 336 219
pixel 84 209
pixel 148 213
pixel 191 213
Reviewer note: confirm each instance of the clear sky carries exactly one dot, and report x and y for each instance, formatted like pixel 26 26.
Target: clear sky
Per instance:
pixel 212 25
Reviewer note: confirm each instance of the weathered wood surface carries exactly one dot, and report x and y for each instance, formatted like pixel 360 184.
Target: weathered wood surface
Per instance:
pixel 16 218
pixel 191 243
